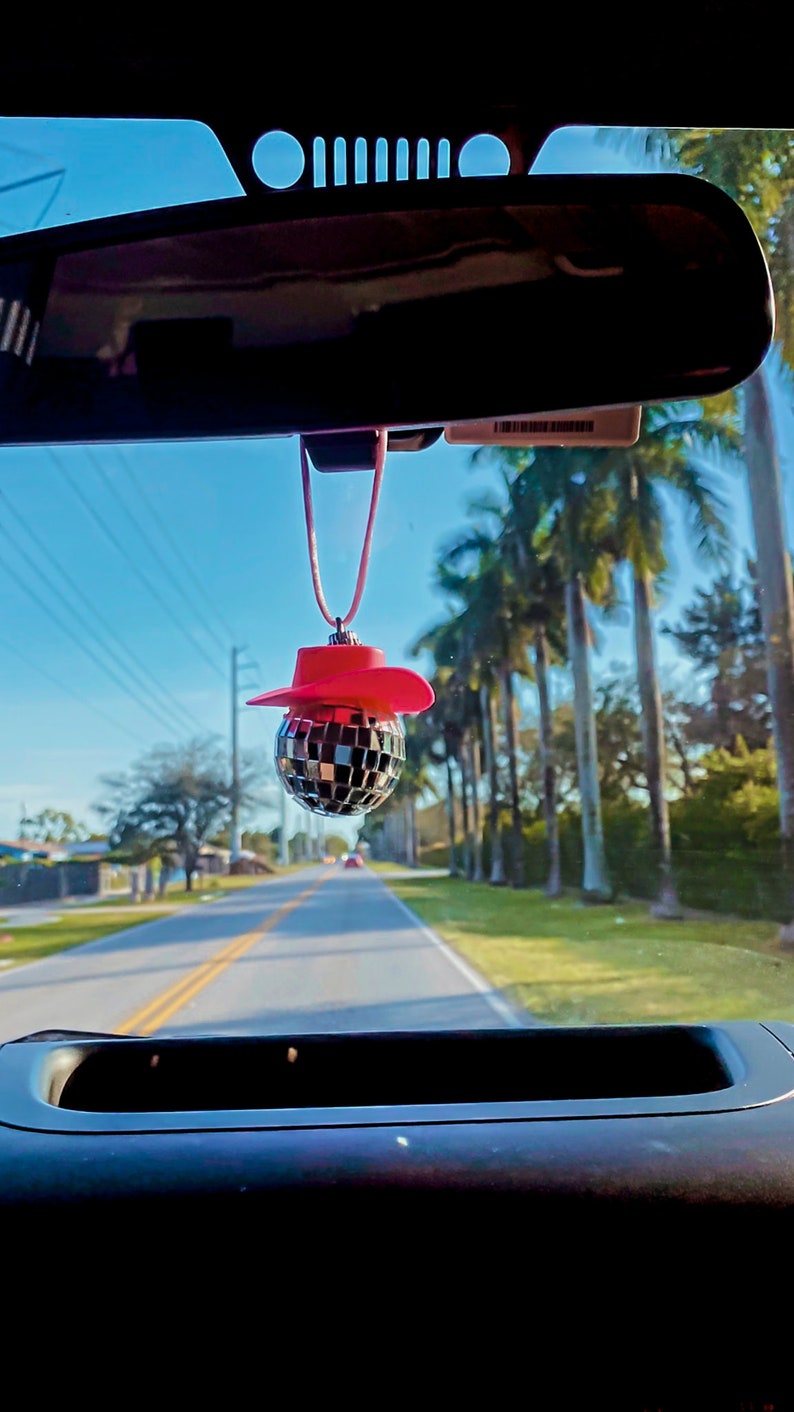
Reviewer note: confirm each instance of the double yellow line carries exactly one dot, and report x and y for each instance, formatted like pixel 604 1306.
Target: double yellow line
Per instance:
pixel 153 1016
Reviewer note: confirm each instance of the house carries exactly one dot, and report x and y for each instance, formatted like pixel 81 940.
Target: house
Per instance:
pixel 16 849
pixel 212 859
pixel 26 850
pixel 92 848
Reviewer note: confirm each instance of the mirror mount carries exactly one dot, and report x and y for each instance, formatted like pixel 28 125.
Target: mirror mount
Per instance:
pixel 355 450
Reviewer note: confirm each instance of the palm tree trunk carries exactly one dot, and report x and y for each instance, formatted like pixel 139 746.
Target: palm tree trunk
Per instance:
pixel 553 882
pixel 775 596
pixel 595 882
pixel 508 711
pixel 488 705
pixel 394 837
pixel 453 857
pixel 476 813
pixel 414 834
pixel 653 742
pixel 468 861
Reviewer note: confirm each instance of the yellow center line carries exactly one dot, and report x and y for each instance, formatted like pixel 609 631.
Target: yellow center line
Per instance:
pixel 155 1013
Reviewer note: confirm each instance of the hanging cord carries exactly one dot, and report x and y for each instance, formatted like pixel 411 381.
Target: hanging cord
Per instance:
pixel 380 461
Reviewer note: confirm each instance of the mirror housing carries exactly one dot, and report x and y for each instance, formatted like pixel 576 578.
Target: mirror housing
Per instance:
pixel 407 308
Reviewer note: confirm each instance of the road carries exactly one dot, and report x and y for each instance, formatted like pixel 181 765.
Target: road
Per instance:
pixel 322 949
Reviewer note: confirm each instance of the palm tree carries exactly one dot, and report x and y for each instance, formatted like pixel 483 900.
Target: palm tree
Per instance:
pixel 449 736
pixel 775 590
pixel 475 771
pixel 547 760
pixel 673 442
pixel 497 876
pixel 499 635
pixel 571 505
pixel 540 576
pixel 462 645
pixel 756 168
pixel 416 779
pixel 443 642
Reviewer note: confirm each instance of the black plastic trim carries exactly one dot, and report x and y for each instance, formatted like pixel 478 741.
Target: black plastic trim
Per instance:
pixel 735 1066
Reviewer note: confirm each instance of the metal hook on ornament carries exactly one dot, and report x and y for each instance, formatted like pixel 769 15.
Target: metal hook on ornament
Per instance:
pixel 343 638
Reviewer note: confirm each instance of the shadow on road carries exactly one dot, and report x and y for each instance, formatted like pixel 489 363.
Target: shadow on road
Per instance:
pixel 447 1012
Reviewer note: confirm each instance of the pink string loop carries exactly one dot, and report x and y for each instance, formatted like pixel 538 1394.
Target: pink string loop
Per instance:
pixel 314 561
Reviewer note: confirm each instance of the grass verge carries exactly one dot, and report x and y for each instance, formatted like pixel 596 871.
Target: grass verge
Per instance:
pixel 391 869
pixel 571 964
pixel 21 944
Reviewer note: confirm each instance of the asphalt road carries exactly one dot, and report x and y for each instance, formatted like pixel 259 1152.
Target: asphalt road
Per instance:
pixel 323 949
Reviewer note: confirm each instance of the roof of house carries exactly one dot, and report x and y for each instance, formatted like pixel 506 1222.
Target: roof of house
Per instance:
pixel 34 846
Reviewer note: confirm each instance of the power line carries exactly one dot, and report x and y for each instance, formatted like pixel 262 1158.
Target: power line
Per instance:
pixel 155 553
pixel 140 672
pixel 169 538
pixel 63 687
pixel 103 666
pixel 129 558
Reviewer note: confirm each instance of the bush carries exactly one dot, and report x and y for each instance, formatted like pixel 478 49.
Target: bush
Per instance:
pixel 633 867
pixel 435 855
pixel 749 885
pixel 725 836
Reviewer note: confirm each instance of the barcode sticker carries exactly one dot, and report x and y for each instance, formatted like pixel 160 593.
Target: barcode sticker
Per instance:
pixel 545 428
pixel 611 426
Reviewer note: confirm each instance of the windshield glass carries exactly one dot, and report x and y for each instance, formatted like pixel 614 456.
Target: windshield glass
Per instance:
pixel 594 821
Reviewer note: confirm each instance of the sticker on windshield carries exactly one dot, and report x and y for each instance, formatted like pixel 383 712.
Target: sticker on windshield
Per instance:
pixel 612 426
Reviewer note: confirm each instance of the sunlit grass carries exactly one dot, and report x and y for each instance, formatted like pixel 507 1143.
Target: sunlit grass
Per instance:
pixel 74 926
pixel 391 869
pixel 21 944
pixel 571 964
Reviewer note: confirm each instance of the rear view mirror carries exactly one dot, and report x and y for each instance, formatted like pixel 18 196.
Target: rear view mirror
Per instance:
pixel 379 306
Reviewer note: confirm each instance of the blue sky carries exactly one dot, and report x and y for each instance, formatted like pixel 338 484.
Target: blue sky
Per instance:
pixel 234 510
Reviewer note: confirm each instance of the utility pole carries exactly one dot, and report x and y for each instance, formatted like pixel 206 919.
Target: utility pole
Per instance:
pixel 236 687
pixel 235 826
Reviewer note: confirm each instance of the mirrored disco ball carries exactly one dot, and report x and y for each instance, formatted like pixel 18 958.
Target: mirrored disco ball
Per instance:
pixel 340 759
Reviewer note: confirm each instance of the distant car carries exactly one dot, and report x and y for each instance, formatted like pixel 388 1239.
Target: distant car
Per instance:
pixel 354 860
pixel 329 858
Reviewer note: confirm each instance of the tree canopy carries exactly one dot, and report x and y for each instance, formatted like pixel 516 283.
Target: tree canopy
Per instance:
pixel 171 803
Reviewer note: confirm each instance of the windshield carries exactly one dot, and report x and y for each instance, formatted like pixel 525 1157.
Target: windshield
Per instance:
pixel 593 822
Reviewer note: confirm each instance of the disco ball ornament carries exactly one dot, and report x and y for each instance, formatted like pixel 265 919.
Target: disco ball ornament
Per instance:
pixel 341 747
pixel 341 760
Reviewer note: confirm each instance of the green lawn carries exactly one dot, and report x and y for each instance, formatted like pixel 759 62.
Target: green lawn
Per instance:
pixel 571 964
pixel 390 869
pixel 21 944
